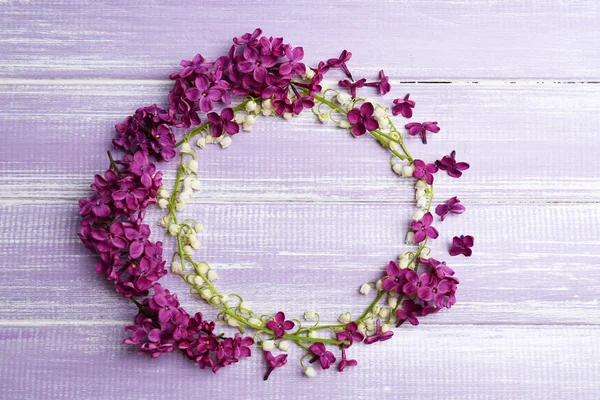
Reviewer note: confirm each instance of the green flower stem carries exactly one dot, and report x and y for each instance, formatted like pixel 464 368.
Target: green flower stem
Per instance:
pixel 373 303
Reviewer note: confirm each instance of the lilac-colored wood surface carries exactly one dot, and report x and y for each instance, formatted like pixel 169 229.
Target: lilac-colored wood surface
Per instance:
pixel 298 215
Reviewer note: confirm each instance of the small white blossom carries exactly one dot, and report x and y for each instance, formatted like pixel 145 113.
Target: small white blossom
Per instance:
pixel 424 256
pixel 246 127
pixel 392 302
pixel 176 267
pixel 226 142
pixel 201 142
pixel 385 328
pixel 195 244
pixel 192 165
pixel 408 171
pixel 365 289
pixel 343 98
pixel 198 281
pixel 309 315
pixel 421 202
pixel 310 372
pixel 198 228
pixel 203 268
pixel 421 184
pixel 255 321
pixel 395 147
pixel 284 345
pixel 362 328
pixel 323 117
pixel 164 221
pixel 345 318
pixel 212 275
pixel 196 185
pixel 313 334
pixel 186 148
pixel 267 104
pixel 251 106
pixel 345 124
pixel 174 229
pixel 224 298
pixel 404 261
pixel 216 300
pixel 376 309
pixel 210 139
pixel 384 312
pixel 188 250
pixel 240 118
pixel 180 205
pixel 207 293
pixel 410 238
pixel 163 193
pixel 163 203
pixel 245 306
pixel 287 115
pixel 417 215
pixel 399 169
pixel 379 113
pixel 384 124
pixel 268 345
pixel 233 322
pixel 379 285
pixel 309 74
pixel 419 193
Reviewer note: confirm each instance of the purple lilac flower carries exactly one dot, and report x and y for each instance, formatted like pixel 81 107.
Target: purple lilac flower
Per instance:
pixel 449 164
pixel 423 228
pixel 274 362
pixel 424 171
pixel 204 92
pixel 415 128
pixel 350 334
pixel 279 325
pixel 340 62
pixel 394 279
pixel 353 85
pixel 432 289
pixel 293 65
pixel 409 312
pixel 362 119
pixel 378 336
pixel 383 86
pixel 325 357
pixel 404 107
pixel 462 245
pixel 345 362
pixel 223 123
pixel 438 268
pixel 450 206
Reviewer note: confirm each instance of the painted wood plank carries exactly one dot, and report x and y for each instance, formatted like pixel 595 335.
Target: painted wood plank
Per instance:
pixel 525 143
pixel 431 40
pixel 524 269
pixel 455 362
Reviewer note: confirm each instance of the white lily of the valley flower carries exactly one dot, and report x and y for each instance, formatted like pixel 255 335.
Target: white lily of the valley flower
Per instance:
pixel 365 289
pixel 195 244
pixel 196 184
pixel 192 165
pixel 421 202
pixel 419 193
pixel 176 267
pixel 224 298
pixel 198 281
pixel 376 309
pixel 206 293
pixel 392 302
pixel 163 193
pixel 309 74
pixel 345 318
pixel 421 184
pixel 323 117
pixel 284 345
pixel 408 171
pixel 180 205
pixel 245 306
pixel 309 315
pixel 345 124
pixel 313 334
pixel 287 115
pixel 240 118
pixel 226 142
pixel 251 106
pixel 163 203
pixel 201 142
pixel 268 345
pixel 310 372
pixel 198 228
pixel 212 275
pixel 379 113
pixel 187 249
pixel 410 238
pixel 384 124
pixel 385 328
pixel 395 147
pixel 404 261
pixel 398 168
pixel 379 285
pixel 174 229
pixel 186 148
pixel 384 312
pixel 233 322
pixel 343 98
pixel 210 139
pixel 164 221
pixel 255 321
pixel 203 268
pixel 417 215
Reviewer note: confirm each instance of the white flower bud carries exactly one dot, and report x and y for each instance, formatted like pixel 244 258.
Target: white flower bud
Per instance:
pixel 384 124
pixel 250 120
pixel 188 250
pixel 421 184
pixel 410 238
pixel 176 267
pixel 365 289
pixel 196 184
pixel 417 215
pixel 323 117
pixel 284 345
pixel 370 100
pixel 419 193
pixel 210 139
pixel 267 111
pixel 257 110
pixel 408 171
pixel 309 315
pixel 421 202
pixel 310 372
pixel 379 285
pixel 164 221
pixel 246 127
pixel 206 293
pixel 173 229
pixel 379 113
pixel 309 74
pixel 385 328
pixel 345 318
pixel 392 302
pixel 224 298
pixel 240 118
pixel 268 345
pixel 344 124
pixel 245 306
pixel 233 322
pixel 195 244
pixel 376 309
pixel 203 268
pixel 163 203
pixel 398 168
pixel 198 281
pixel 163 193
pixel 362 328
pixel 266 104
pixel 212 275
pixel 198 228
pixel 192 165
pixel 201 142
pixel 255 321
pixel 287 115
pixel 384 312
pixel 251 105
pixel 395 147
pixel 324 87
pixel 186 148
pixel 370 326
pixel 216 300
pixel 404 261
pixel 313 334
pixel 343 98
pixel 180 205
pixel 226 142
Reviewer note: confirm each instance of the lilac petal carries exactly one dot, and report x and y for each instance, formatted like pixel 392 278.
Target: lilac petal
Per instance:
pixel 462 166
pixel 420 236
pixel 469 241
pixel 260 73
pixel 427 219
pixel 192 94
pixel 425 293
pixel 454 251
pixel 358 129
pixel 354 116
pixel 287 325
pixel 246 66
pixel 366 109
pixel 431 232
pixel 371 124
pixel 458 209
pixel 136 249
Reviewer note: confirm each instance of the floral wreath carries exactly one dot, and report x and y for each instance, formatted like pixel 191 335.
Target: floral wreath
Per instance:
pixel 271 80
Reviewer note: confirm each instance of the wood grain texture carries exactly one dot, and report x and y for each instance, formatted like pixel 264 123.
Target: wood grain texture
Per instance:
pixel 298 215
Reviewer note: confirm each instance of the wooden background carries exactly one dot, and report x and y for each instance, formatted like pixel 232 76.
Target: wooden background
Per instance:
pixel 298 215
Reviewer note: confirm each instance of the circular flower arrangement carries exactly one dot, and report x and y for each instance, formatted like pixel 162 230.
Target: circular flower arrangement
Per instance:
pixel 270 79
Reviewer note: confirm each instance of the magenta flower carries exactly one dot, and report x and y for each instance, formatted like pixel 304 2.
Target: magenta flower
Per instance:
pixel 274 362
pixel 409 312
pixel 204 93
pixel 450 206
pixel 294 64
pixel 394 280
pixel 352 85
pixel 449 164
pixel 223 123
pixel 249 38
pixel 341 63
pixel 140 166
pixel 415 128
pixel 424 171
pixel 114 238
pixel 379 336
pixel 279 325
pixel 165 303
pixel 345 362
pixel 325 357
pixel 256 63
pixel 362 119
pixel 404 107
pixel 350 334
pixel 383 85
pixel 433 289
pixel 423 228
pixel 138 239
pixel 462 245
